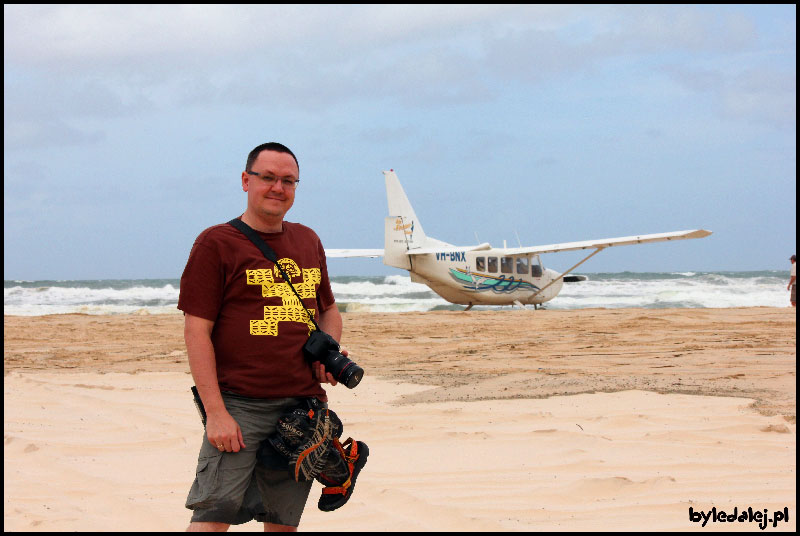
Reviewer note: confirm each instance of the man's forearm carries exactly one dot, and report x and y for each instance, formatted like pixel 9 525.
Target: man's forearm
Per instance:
pixel 330 321
pixel 203 365
pixel 204 372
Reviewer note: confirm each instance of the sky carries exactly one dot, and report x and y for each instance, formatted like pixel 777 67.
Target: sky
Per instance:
pixel 126 129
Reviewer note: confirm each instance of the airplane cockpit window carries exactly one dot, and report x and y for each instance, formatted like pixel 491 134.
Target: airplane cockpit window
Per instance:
pixel 507 265
pixel 480 264
pixel 493 264
pixel 522 265
pixel 536 268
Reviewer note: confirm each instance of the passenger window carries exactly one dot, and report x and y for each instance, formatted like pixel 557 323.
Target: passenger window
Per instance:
pixel 522 265
pixel 493 264
pixel 480 264
pixel 507 265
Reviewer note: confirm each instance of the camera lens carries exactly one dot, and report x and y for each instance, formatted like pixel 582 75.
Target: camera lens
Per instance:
pixel 343 369
pixel 352 375
pixel 324 348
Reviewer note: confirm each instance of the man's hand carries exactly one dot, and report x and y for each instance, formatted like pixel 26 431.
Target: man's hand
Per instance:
pixel 223 432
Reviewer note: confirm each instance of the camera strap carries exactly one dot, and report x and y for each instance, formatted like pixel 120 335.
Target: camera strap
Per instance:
pixel 268 252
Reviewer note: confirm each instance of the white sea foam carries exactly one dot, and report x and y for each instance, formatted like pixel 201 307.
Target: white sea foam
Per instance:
pixel 706 291
pixel 45 300
pixel 397 293
pixel 389 286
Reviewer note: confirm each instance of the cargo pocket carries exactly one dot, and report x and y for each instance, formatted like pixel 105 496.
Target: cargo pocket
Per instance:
pixel 205 488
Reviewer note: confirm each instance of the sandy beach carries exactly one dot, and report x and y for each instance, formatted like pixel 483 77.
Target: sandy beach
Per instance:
pixel 593 419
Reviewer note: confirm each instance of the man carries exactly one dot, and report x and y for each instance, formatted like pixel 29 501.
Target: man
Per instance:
pixel 244 338
pixel 792 281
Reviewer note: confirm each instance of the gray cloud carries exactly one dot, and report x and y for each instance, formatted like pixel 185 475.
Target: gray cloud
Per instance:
pixel 31 134
pixel 765 95
pixel 107 61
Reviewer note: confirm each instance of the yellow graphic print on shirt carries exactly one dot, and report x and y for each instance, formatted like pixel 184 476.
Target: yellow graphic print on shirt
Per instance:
pixel 273 285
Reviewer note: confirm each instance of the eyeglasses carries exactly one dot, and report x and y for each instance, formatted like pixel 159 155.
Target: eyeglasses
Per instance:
pixel 269 180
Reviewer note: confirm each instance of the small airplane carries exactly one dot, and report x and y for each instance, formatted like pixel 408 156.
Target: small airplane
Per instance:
pixel 481 274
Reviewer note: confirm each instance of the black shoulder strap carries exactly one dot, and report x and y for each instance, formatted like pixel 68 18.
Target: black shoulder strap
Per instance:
pixel 268 252
pixel 251 233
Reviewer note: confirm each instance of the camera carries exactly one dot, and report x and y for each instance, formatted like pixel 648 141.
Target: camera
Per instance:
pixel 323 348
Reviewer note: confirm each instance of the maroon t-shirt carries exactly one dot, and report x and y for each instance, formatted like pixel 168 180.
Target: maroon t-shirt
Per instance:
pixel 259 326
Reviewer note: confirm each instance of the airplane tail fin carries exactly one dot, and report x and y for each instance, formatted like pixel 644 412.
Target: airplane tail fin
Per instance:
pixel 402 228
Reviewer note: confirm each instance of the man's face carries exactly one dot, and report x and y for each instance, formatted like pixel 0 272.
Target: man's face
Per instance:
pixel 270 201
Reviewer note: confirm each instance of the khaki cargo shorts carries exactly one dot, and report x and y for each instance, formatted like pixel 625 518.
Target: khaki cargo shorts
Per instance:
pixel 231 487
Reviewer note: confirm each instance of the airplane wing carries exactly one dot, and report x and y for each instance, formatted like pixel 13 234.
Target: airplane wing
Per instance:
pixel 551 248
pixel 609 242
pixel 448 249
pixel 332 253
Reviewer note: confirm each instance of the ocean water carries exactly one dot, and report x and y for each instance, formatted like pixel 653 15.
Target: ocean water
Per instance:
pixel 396 293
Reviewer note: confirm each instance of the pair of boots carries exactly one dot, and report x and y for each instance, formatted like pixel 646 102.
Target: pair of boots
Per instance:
pixel 307 439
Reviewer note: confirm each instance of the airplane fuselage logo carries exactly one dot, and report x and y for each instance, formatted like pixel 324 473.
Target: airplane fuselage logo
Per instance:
pixel 478 282
pixel 407 229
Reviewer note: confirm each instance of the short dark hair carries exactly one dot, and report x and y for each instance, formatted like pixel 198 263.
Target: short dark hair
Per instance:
pixel 271 146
